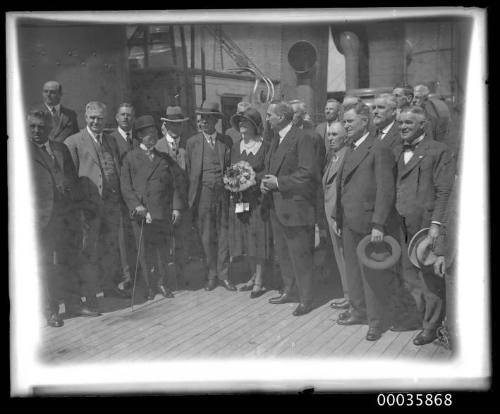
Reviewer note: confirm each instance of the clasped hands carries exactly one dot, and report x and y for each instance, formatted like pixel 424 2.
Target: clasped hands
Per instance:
pixel 269 183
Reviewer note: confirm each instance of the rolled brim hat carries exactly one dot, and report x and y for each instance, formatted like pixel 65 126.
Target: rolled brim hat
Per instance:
pixel 210 108
pixel 144 121
pixel 380 255
pixel 174 114
pixel 249 114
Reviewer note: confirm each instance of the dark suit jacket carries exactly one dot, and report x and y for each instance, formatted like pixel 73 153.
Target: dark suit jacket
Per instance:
pixel 438 120
pixel 424 184
pixel 392 138
pixel 293 162
pixel 154 184
pixel 53 191
pixel 366 189
pixel 194 159
pixel 122 145
pixel 88 167
pixel 68 124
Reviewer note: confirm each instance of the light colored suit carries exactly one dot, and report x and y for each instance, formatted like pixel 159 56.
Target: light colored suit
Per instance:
pixel 330 191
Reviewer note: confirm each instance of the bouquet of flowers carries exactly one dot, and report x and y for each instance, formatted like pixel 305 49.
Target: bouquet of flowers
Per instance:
pixel 239 177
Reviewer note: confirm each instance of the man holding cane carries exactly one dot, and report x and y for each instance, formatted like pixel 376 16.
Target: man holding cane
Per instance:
pixel 152 188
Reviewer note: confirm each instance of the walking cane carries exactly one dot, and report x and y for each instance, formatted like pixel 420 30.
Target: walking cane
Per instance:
pixel 137 264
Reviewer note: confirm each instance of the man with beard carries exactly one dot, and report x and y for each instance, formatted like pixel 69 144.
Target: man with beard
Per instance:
pixel 424 181
pixel 365 205
pixel 208 154
pixel 56 197
pixel 384 119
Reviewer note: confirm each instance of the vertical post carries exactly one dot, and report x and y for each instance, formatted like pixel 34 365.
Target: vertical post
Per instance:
pixel 187 88
pixel 192 46
pixel 350 48
pixel 172 43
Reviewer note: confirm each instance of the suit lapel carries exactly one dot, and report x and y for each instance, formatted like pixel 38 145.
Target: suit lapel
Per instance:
pixel 280 152
pixel 197 155
pixel 153 165
pixel 90 146
pixel 418 154
pixel 63 119
pixel 58 155
pixel 355 157
pixel 220 147
pixel 334 166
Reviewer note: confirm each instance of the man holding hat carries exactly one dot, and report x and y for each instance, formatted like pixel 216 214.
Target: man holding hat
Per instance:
pixel 424 181
pixel 172 127
pixel 152 188
pixel 208 154
pixel 365 206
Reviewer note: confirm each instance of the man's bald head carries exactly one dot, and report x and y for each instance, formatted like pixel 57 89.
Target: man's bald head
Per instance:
pixel 52 93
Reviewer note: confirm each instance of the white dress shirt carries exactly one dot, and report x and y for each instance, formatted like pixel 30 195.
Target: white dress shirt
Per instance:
pixel 95 137
pixel 385 130
pixel 360 141
pixel 210 138
pixel 124 134
pixel 409 154
pixel 283 131
pixel 57 108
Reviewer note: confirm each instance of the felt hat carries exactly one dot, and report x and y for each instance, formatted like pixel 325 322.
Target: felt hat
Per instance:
pixel 174 114
pixel 378 255
pixel 210 108
pixel 249 114
pixel 144 121
pixel 421 252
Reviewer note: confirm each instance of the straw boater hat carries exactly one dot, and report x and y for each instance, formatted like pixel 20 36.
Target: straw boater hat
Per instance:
pixel 144 121
pixel 378 255
pixel 174 114
pixel 210 108
pixel 421 254
pixel 250 114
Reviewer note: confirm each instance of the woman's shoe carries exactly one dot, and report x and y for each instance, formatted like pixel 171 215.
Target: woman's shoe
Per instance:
pixel 255 293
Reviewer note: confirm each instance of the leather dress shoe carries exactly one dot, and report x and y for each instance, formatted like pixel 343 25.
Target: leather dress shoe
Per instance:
pixel 83 310
pixel 228 285
pixel 373 334
pixel 117 293
pixel 165 292
pixel 301 310
pixel 352 320
pixel 425 337
pixel 54 320
pixel 278 300
pixel 211 285
pixel 150 295
pixel 257 293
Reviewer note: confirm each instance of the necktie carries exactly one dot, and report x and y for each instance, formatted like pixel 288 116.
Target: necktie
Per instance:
pixel 98 137
pixel 129 139
pixel 379 134
pixel 55 116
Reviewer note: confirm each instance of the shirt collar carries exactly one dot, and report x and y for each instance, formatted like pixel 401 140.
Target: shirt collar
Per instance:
pixel 417 140
pixel 283 131
pixel 171 139
pixel 212 136
pixel 123 133
pixel 387 128
pixel 144 148
pixel 93 135
pixel 58 108
pixel 361 140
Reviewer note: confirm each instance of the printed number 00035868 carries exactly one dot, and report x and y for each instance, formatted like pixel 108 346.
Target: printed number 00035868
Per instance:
pixel 417 400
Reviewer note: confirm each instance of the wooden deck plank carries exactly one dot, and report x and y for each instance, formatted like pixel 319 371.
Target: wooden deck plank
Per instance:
pixel 426 351
pixel 327 344
pixel 356 338
pixel 248 330
pixel 211 338
pixel 189 326
pixel 396 346
pixel 442 354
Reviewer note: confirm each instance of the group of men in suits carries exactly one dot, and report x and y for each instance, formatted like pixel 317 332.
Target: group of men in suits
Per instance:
pixel 121 197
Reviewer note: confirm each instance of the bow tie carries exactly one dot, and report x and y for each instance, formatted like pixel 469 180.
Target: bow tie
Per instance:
pixel 409 147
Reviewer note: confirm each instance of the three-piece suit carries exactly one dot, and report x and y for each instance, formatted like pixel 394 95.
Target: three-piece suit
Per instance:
pixel 209 200
pixel 423 188
pixel 98 169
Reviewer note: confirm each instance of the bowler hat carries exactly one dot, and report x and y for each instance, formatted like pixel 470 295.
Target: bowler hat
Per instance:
pixel 144 121
pixel 174 114
pixel 210 108
pixel 381 255
pixel 250 114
